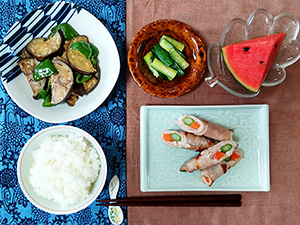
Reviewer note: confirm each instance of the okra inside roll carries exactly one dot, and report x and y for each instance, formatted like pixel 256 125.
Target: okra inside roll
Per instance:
pixel 208 176
pixel 210 157
pixel 182 139
pixel 199 126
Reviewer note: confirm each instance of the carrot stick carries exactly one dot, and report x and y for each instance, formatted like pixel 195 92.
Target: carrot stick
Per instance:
pixel 219 155
pixel 234 156
pixel 167 137
pixel 195 125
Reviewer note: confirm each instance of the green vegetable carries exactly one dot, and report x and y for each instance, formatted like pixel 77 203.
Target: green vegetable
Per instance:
pixel 175 137
pixel 95 53
pixel 81 78
pixel 188 121
pixel 226 148
pixel 165 44
pixel 66 29
pixel 46 95
pixel 160 67
pixel 44 69
pixel 179 59
pixel 162 55
pixel 180 46
pixel 148 58
pixel 176 67
pixel 47 101
pixel 84 47
pixel 227 159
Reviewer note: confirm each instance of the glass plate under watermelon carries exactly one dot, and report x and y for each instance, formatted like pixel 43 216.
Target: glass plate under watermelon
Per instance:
pixel 259 23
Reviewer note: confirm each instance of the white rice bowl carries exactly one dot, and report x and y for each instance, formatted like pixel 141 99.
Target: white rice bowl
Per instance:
pixel 62 169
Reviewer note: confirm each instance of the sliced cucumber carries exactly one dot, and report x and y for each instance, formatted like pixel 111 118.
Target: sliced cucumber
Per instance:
pixel 175 137
pixel 188 121
pixel 168 46
pixel 165 44
pixel 179 59
pixel 176 67
pixel 148 59
pixel 162 55
pixel 160 67
pixel 180 46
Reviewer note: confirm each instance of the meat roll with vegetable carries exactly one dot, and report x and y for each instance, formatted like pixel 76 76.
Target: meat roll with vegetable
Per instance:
pixel 186 140
pixel 199 126
pixel 208 176
pixel 210 157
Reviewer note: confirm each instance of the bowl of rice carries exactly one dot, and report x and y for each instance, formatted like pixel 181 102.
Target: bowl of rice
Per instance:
pixel 62 169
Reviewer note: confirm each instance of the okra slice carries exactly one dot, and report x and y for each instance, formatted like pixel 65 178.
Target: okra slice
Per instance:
pixel 175 137
pixel 226 148
pixel 188 121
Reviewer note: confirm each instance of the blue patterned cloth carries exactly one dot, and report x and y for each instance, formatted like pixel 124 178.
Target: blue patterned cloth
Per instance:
pixel 106 124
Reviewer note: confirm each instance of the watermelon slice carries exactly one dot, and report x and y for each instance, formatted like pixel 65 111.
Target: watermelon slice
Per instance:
pixel 250 61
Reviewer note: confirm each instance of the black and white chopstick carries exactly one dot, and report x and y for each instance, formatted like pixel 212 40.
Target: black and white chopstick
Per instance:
pixel 233 200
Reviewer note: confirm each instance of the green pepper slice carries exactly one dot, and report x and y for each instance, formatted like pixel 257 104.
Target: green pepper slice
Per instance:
pixel 66 29
pixel 44 69
pixel 226 148
pixel 44 93
pixel 81 78
pixel 47 101
pixel 95 53
pixel 84 47
pixel 175 137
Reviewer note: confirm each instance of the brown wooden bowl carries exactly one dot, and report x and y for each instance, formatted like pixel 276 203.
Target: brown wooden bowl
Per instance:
pixel 143 42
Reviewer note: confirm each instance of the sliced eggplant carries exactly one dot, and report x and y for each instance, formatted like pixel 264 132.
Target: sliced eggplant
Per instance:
pixel 72 99
pixel 24 54
pixel 27 66
pixel 42 48
pixel 61 59
pixel 61 83
pixel 78 89
pixel 77 60
pixel 90 85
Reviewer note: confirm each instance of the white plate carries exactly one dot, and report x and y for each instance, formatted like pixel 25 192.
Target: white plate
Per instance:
pixel 85 24
pixel 26 159
pixel 159 163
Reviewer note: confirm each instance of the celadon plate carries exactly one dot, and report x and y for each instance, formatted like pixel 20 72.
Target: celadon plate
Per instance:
pixel 160 163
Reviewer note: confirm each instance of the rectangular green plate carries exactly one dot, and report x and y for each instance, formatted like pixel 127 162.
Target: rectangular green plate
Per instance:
pixel 160 163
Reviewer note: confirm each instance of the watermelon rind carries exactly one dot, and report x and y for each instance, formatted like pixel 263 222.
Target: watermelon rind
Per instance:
pixel 229 68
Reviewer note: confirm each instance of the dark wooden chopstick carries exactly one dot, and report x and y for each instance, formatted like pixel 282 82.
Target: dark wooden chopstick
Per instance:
pixel 233 200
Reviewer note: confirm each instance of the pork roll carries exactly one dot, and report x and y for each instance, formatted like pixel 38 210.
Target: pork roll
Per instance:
pixel 182 139
pixel 208 176
pixel 210 157
pixel 199 126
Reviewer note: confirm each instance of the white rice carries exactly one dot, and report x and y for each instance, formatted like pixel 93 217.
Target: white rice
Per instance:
pixel 64 169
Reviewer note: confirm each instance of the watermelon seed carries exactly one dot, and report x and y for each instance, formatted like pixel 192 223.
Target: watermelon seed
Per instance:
pixel 275 46
pixel 261 62
pixel 245 49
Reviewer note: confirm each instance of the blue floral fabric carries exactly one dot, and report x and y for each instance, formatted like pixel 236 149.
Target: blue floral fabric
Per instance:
pixel 106 124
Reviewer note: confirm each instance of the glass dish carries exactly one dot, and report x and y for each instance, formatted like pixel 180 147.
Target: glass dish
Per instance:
pixel 259 23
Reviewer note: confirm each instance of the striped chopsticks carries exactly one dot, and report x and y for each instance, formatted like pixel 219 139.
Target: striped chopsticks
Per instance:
pixel 228 200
